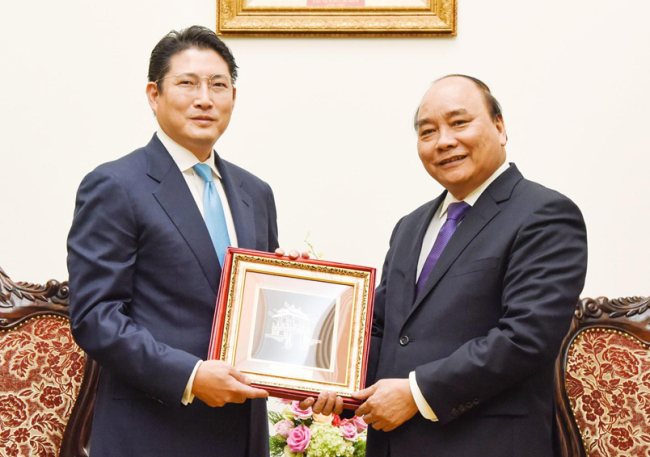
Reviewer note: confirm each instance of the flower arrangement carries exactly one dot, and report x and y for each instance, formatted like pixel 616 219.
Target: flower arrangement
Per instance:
pixel 302 433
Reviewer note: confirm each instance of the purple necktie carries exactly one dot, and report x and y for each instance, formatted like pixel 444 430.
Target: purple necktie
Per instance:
pixel 455 214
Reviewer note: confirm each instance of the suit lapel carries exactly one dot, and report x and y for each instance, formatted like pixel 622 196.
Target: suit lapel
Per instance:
pixel 176 200
pixel 241 204
pixel 408 263
pixel 477 218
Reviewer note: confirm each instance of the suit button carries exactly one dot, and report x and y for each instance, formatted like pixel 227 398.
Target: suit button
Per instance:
pixel 404 340
pixel 454 412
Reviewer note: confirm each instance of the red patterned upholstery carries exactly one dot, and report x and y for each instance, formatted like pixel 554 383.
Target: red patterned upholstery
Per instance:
pixel 40 377
pixel 603 380
pixel 608 384
pixel 47 385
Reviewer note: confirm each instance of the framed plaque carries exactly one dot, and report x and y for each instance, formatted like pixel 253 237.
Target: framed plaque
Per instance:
pixel 294 327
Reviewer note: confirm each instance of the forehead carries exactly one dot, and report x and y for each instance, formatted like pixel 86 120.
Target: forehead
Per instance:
pixel 452 95
pixel 199 61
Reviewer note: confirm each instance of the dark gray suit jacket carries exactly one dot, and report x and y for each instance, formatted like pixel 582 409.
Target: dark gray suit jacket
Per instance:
pixel 144 278
pixel 484 333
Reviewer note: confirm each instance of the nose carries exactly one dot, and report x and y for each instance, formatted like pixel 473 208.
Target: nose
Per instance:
pixel 202 98
pixel 446 140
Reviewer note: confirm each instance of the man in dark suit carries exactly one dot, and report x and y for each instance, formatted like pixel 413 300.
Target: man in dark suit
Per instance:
pixel 478 289
pixel 145 252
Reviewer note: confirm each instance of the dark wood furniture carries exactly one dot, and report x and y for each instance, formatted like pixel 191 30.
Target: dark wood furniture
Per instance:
pixel 603 379
pixel 27 313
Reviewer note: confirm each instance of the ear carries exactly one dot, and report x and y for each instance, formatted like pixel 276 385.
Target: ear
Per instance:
pixel 234 96
pixel 152 95
pixel 501 128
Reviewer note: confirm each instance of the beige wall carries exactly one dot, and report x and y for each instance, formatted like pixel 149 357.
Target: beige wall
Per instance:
pixel 327 122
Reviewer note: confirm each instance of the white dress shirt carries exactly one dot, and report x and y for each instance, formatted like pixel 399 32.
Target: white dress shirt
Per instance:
pixel 437 221
pixel 185 161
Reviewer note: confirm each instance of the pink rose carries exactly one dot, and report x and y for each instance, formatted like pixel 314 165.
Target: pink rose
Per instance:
pixel 283 428
pixel 360 424
pixel 299 439
pixel 285 400
pixel 349 430
pixel 299 413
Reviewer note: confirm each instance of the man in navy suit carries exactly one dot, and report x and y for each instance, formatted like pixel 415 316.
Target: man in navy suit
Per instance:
pixel 145 252
pixel 478 290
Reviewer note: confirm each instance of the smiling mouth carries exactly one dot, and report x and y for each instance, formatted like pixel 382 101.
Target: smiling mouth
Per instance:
pixel 203 122
pixel 452 160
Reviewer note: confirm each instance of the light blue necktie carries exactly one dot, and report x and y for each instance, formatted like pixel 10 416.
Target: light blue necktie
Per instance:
pixel 213 212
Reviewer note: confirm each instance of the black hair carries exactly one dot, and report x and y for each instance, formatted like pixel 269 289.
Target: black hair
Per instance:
pixel 178 41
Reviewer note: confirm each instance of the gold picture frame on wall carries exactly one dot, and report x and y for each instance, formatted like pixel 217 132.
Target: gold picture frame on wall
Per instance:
pixel 336 17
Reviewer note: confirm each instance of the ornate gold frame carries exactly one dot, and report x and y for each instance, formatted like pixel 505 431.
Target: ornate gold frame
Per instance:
pixel 437 18
pixel 229 343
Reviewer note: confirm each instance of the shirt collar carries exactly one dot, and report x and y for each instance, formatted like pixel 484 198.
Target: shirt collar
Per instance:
pixel 472 198
pixel 184 159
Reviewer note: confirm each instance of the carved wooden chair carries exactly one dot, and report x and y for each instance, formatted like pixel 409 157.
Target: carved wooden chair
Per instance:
pixel 47 384
pixel 603 380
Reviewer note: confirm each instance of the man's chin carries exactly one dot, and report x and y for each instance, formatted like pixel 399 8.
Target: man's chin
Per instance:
pixel 454 177
pixel 204 138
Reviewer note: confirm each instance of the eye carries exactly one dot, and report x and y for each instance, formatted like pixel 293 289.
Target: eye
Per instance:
pixel 459 122
pixel 185 82
pixel 218 85
pixel 427 131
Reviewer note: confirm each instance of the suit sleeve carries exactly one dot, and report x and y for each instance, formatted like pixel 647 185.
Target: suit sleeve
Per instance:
pixel 102 260
pixel 545 273
pixel 273 221
pixel 379 315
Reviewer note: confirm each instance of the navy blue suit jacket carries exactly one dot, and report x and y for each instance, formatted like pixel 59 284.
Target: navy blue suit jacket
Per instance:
pixel 486 329
pixel 144 278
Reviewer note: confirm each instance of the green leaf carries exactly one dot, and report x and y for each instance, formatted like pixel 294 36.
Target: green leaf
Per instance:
pixel 276 445
pixel 360 448
pixel 275 417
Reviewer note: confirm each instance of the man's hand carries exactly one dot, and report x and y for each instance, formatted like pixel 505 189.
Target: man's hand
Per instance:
pixel 389 403
pixel 327 403
pixel 217 383
pixel 293 254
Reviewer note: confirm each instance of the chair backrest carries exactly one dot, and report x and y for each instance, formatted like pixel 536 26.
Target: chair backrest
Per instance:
pixel 47 384
pixel 603 380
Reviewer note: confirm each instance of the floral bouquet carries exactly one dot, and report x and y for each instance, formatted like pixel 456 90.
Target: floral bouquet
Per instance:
pixel 301 433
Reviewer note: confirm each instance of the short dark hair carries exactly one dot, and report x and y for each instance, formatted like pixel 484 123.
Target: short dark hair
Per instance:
pixel 175 42
pixel 493 105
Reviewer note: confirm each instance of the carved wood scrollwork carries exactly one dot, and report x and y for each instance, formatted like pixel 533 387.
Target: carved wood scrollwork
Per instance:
pixel 21 299
pixel 631 314
pixel 590 308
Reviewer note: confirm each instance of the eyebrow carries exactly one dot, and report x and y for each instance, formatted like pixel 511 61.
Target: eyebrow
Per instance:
pixel 457 112
pixel 191 73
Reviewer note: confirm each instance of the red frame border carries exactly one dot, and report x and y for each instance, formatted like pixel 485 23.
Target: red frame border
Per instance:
pixel 219 318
